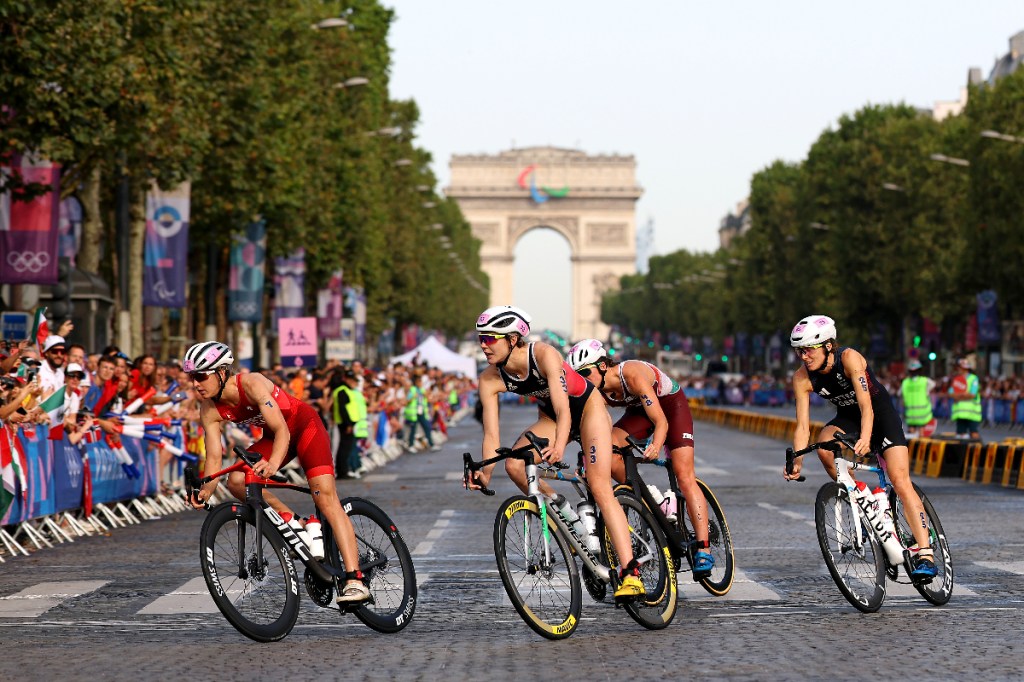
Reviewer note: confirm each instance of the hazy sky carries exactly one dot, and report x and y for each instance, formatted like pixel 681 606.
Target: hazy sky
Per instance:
pixel 703 95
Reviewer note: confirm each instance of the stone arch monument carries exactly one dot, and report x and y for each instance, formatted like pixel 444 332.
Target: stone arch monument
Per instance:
pixel 589 200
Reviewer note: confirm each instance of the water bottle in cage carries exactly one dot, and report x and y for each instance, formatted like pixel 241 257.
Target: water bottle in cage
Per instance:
pixel 316 537
pixel 570 515
pixel 589 518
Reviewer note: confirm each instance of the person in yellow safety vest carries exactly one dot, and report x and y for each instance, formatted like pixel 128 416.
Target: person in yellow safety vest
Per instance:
pixel 966 402
pixel 916 391
pixel 349 411
pixel 417 412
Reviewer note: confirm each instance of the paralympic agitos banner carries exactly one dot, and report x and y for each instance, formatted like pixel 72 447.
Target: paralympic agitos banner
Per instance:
pixel 166 251
pixel 28 229
pixel 248 262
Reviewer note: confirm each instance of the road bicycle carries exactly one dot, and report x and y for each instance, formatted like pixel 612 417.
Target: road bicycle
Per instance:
pixel 861 543
pixel 679 532
pixel 247 552
pixel 534 544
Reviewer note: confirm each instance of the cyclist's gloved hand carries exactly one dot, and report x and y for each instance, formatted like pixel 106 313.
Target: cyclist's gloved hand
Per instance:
pixel 478 480
pixel 265 469
pixel 798 464
pixel 552 454
pixel 863 445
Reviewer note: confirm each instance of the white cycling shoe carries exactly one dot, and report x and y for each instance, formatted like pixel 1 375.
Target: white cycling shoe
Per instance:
pixel 353 593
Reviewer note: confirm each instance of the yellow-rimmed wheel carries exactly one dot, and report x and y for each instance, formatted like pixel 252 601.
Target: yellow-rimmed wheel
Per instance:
pixel 537 569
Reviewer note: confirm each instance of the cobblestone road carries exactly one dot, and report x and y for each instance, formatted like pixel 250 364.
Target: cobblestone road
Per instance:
pixel 133 606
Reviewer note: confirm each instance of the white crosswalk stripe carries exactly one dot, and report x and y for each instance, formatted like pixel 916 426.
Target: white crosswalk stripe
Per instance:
pixel 34 601
pixel 192 597
pixel 743 589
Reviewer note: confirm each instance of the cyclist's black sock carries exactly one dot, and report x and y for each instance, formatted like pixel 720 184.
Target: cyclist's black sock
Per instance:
pixel 632 568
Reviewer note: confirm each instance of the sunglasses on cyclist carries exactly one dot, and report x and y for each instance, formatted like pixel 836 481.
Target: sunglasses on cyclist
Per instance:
pixel 585 370
pixel 491 339
pixel 199 376
pixel 806 350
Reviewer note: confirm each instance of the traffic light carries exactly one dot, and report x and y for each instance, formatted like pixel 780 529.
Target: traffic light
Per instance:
pixel 932 356
pixel 725 358
pixel 60 293
pixel 917 341
pixel 698 357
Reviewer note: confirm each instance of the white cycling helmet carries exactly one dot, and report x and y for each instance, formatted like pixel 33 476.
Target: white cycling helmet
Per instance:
pixel 207 356
pixel 503 319
pixel 586 352
pixel 812 330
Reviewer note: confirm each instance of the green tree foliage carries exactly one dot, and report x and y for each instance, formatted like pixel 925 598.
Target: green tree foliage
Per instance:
pixel 269 115
pixel 869 228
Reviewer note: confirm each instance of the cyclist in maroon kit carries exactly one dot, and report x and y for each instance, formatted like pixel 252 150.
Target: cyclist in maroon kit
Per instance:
pixel 291 428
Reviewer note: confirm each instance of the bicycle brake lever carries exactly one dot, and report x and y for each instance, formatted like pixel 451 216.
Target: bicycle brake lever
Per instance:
pixel 789 466
pixel 468 469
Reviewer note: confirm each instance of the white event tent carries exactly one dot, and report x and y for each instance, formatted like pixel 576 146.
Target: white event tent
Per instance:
pixel 435 354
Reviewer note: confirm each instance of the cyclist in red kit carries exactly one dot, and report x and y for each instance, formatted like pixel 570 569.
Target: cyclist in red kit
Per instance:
pixel 291 428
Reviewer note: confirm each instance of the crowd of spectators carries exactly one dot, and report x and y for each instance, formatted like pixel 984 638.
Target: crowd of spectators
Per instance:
pixel 776 390
pixel 83 395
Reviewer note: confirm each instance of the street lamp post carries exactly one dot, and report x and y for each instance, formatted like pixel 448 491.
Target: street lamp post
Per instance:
pixel 351 82
pixel 995 135
pixel 330 22
pixel 942 158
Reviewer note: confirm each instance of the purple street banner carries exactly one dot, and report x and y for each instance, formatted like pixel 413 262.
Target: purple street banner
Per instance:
pixel 166 247
pixel 289 283
pixel 69 229
pixel 297 341
pixel 328 307
pixel 990 332
pixel 360 316
pixel 28 229
pixel 248 261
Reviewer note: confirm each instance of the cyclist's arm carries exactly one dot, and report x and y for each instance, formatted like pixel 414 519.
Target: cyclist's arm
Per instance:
pixel 257 389
pixel 549 361
pixel 642 381
pixel 857 371
pixel 802 390
pixel 211 420
pixel 491 386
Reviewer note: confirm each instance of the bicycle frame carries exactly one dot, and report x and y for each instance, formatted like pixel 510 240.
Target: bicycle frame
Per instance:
pixel 675 537
pixel 534 473
pixel 864 512
pixel 254 486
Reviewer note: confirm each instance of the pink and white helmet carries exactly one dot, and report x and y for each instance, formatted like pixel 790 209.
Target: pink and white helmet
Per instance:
pixel 207 356
pixel 812 330
pixel 586 352
pixel 503 319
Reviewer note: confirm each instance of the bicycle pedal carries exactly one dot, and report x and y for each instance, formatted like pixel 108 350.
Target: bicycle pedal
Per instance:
pixel 701 575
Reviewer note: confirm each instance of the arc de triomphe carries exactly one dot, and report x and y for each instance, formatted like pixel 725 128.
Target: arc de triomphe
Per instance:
pixel 589 200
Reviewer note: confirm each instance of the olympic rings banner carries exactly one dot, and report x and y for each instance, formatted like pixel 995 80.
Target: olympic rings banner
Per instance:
pixel 248 261
pixel 54 475
pixel 28 230
pixel 166 255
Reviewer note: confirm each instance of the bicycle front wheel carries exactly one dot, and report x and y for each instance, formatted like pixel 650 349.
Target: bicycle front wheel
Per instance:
pixel 856 563
pixel 252 578
pixel 537 569
pixel 719 539
pixel 940 589
pixel 386 564
pixel 657 572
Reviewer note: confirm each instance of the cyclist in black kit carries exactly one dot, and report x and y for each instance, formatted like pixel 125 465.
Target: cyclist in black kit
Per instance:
pixel 842 376
pixel 568 408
